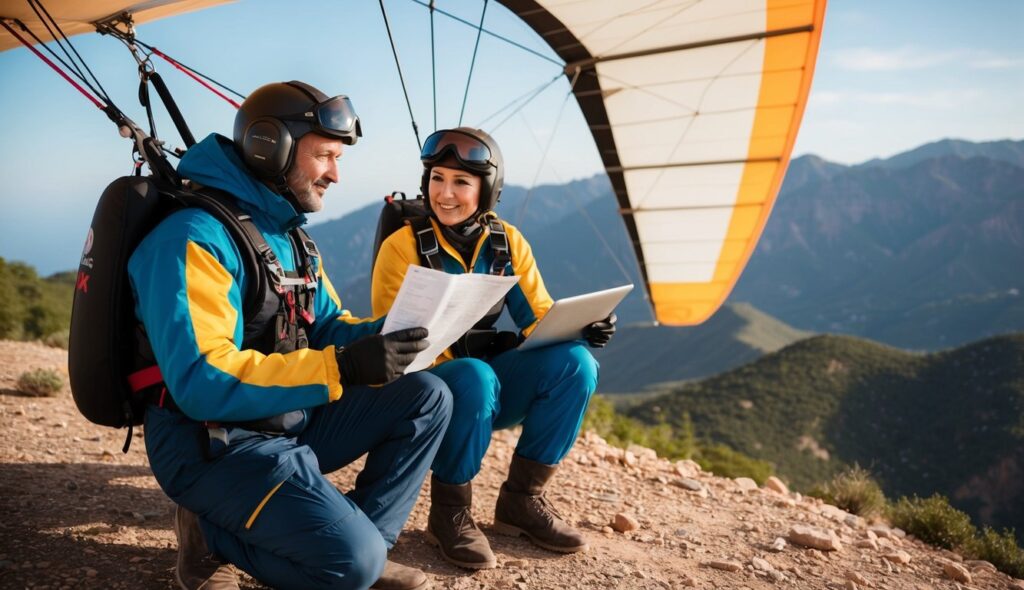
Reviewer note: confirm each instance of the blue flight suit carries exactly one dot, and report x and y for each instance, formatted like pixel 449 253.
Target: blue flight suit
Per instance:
pixel 262 500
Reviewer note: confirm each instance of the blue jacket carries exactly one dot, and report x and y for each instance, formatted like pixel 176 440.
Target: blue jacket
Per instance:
pixel 189 285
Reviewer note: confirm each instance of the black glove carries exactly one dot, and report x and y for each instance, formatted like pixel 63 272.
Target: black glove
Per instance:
pixel 484 343
pixel 503 341
pixel 381 358
pixel 599 333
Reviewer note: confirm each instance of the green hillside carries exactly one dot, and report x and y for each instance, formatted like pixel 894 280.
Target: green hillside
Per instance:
pixel 641 356
pixel 32 307
pixel 950 422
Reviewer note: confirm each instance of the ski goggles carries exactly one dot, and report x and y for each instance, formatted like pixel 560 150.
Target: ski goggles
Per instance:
pixel 468 149
pixel 333 117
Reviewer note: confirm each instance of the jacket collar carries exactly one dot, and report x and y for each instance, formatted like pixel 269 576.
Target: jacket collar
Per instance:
pixel 214 162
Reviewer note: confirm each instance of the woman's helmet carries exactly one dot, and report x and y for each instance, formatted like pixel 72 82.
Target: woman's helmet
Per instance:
pixel 274 117
pixel 472 150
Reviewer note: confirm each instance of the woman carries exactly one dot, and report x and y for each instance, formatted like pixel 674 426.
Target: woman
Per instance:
pixel 494 386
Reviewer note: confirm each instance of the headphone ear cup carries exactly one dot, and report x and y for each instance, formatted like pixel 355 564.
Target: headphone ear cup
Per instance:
pixel 267 147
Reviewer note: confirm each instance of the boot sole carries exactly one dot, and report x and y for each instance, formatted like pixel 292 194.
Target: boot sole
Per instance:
pixel 514 531
pixel 463 564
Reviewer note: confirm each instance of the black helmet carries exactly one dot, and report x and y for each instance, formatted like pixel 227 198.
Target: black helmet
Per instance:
pixel 275 116
pixel 475 151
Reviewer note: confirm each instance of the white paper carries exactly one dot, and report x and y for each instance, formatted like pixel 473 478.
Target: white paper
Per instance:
pixel 446 305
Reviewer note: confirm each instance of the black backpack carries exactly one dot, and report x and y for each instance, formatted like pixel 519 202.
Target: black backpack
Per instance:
pixel 109 361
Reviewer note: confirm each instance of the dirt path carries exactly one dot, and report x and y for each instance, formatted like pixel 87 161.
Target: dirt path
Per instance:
pixel 79 514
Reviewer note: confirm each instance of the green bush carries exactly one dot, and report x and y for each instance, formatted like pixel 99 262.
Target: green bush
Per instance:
pixel 999 549
pixel 855 491
pixel 933 521
pixel 40 382
pixel 723 461
pixel 57 339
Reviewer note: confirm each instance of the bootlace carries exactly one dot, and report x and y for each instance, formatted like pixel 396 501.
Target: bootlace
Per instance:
pixel 545 507
pixel 463 519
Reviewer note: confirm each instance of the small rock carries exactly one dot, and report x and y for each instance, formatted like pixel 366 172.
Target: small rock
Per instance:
pixel 776 485
pixel 721 564
pixel 625 523
pixel 857 578
pixel 899 557
pixel 814 538
pixel 607 530
pixel 686 580
pixel 686 468
pixel 1016 585
pixel 850 585
pixel 867 544
pixel 516 563
pixel 980 564
pixel 91 573
pixel 760 564
pixel 629 459
pixel 957 572
pixel 689 484
pixel 745 484
pixel 779 544
pixel 881 531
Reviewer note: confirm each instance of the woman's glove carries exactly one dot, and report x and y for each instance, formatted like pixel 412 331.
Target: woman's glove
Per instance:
pixel 381 358
pixel 599 333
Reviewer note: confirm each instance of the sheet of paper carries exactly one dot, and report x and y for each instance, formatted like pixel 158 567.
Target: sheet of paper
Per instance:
pixel 446 305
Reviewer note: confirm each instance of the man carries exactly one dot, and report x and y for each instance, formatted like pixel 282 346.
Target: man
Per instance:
pixel 257 405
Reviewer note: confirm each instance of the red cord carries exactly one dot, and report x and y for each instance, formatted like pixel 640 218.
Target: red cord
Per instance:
pixel 196 78
pixel 94 100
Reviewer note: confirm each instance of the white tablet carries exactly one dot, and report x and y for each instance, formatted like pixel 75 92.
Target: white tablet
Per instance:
pixel 567 317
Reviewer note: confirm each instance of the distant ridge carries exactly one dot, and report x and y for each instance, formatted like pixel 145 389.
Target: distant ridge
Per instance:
pixel 646 355
pixel 947 422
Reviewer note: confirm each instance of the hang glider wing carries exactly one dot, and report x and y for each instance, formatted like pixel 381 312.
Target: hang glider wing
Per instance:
pixel 694 106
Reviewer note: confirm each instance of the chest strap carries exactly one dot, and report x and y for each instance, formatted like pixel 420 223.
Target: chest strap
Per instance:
pixel 429 247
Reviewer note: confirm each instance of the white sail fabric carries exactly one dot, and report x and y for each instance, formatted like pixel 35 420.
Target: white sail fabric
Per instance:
pixel 694 105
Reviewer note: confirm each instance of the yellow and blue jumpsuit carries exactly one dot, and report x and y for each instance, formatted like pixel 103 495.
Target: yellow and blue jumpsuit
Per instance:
pixel 262 500
pixel 547 389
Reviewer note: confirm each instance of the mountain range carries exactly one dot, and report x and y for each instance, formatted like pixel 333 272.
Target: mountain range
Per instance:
pixel 923 250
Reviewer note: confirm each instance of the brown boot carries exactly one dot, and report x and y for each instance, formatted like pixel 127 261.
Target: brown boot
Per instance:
pixel 450 526
pixel 522 509
pixel 400 577
pixel 197 568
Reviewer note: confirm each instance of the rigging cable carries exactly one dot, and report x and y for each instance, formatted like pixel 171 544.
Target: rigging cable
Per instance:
pixel 46 22
pixel 472 63
pixel 558 63
pixel 547 148
pixel 398 65
pixel 433 63
pixel 532 94
pixel 47 61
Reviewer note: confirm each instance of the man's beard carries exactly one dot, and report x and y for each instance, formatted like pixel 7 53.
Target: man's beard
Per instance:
pixel 304 190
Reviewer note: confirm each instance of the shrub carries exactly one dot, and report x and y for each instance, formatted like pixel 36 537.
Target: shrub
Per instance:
pixel 723 461
pixel 40 382
pixel 855 491
pixel 57 339
pixel 933 521
pixel 1000 550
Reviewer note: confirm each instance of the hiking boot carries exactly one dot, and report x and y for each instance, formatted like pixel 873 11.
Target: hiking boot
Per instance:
pixel 399 577
pixel 197 568
pixel 522 509
pixel 450 526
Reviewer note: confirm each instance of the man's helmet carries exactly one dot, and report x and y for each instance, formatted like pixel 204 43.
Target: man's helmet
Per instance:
pixel 472 150
pixel 274 117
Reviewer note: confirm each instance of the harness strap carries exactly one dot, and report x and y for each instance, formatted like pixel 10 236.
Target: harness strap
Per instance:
pixel 427 243
pixel 499 244
pixel 144 378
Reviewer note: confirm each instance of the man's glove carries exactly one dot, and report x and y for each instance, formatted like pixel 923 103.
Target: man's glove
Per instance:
pixel 381 358
pixel 599 333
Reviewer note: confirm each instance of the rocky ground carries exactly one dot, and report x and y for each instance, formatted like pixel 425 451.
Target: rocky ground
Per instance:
pixel 77 513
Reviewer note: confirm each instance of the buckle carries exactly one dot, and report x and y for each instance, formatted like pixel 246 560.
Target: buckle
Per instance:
pixel 420 239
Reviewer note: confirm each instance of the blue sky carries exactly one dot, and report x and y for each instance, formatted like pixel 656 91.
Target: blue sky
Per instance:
pixel 890 76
